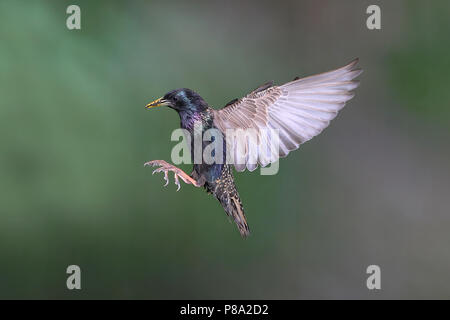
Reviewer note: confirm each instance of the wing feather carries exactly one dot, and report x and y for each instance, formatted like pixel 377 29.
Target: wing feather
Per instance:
pixel 298 110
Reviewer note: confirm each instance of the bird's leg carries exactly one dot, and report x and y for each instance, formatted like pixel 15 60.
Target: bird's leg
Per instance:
pixel 178 173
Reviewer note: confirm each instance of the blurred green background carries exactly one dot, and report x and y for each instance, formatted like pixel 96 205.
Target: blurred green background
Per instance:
pixel 372 189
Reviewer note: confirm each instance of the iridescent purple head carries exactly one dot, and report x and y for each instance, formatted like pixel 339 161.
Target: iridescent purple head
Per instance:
pixel 181 100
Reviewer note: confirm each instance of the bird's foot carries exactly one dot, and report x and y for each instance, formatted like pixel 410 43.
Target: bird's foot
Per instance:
pixel 177 173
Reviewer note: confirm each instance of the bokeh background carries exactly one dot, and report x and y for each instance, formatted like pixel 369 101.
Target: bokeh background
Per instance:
pixel 371 189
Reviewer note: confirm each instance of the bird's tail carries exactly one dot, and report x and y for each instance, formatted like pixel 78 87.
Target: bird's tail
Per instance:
pixel 233 207
pixel 225 191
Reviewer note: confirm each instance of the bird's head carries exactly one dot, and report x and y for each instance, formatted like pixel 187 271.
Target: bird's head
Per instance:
pixel 182 100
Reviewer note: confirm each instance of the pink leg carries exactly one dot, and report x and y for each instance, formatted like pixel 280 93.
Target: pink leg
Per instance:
pixel 177 172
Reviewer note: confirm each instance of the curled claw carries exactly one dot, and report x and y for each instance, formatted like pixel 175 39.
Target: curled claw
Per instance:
pixel 157 170
pixel 177 182
pixel 150 163
pixel 154 163
pixel 166 177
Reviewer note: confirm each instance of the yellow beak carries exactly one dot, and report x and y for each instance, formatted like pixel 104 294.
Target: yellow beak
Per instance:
pixel 157 103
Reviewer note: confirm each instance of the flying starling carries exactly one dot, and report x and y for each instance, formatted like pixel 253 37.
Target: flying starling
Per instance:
pixel 298 111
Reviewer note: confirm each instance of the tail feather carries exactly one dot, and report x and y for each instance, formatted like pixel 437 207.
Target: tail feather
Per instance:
pixel 233 207
pixel 225 191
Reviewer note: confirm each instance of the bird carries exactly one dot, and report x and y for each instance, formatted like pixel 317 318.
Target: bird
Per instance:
pixel 297 111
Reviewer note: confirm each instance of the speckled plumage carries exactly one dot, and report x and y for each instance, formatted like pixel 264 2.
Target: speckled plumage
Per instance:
pixel 217 178
pixel 224 189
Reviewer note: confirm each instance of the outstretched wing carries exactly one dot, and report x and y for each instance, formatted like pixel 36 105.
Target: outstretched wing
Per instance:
pixel 298 110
